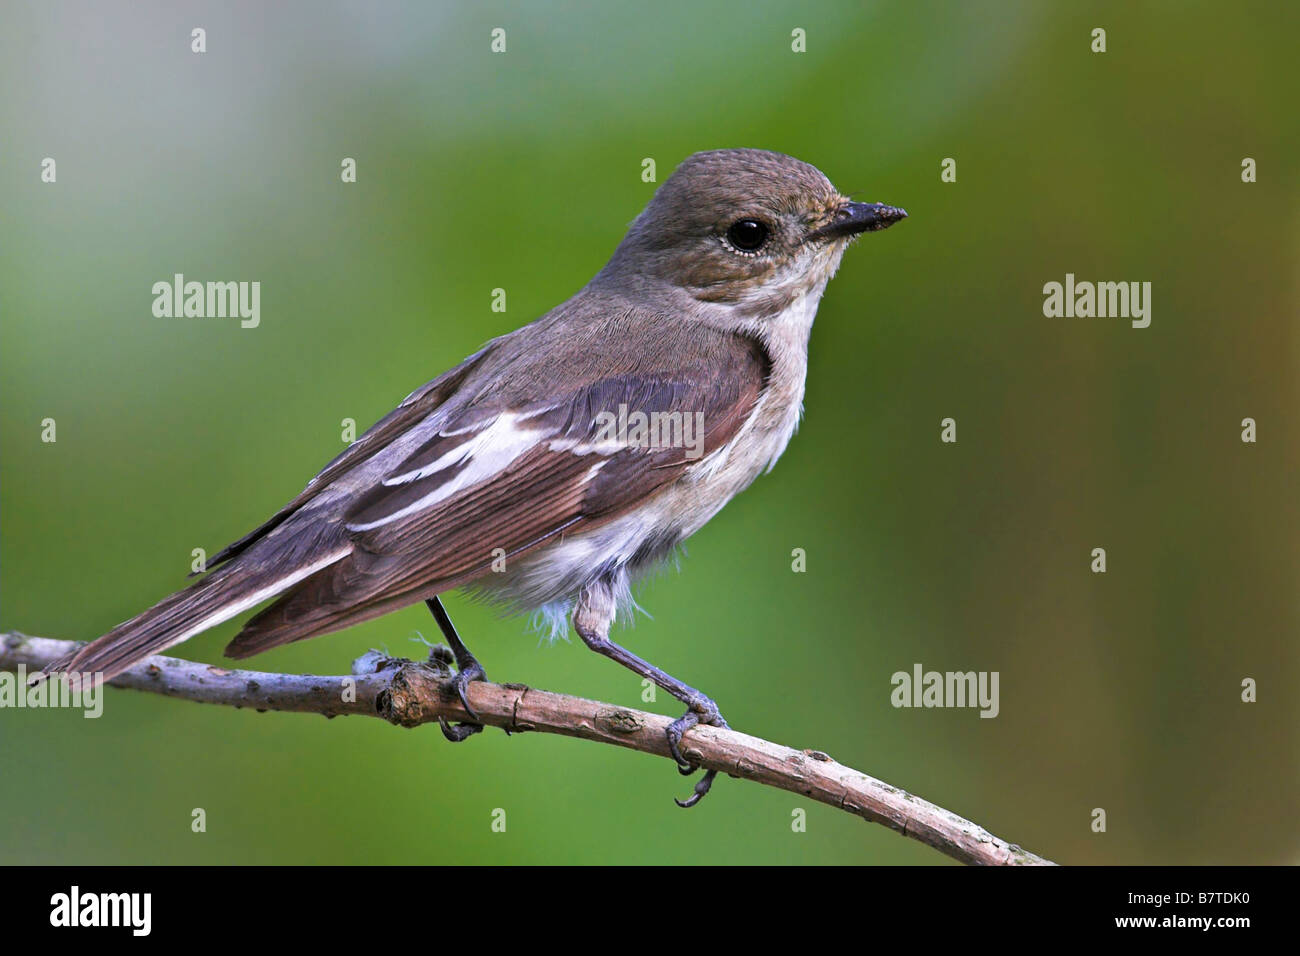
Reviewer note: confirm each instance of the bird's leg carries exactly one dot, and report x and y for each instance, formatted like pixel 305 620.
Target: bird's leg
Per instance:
pixel 468 669
pixel 592 619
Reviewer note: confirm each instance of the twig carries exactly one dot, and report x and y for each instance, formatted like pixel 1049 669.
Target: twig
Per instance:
pixel 409 694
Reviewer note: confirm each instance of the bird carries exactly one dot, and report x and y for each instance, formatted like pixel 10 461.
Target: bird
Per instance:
pixel 563 461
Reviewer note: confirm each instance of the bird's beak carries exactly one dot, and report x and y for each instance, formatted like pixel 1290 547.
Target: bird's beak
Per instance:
pixel 857 217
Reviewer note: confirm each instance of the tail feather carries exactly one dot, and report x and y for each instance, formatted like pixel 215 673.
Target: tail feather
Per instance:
pixel 342 595
pixel 223 594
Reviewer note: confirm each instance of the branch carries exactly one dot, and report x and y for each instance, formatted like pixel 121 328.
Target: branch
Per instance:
pixel 408 694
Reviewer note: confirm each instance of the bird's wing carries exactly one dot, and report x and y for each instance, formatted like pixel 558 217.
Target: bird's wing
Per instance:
pixel 414 408
pixel 504 479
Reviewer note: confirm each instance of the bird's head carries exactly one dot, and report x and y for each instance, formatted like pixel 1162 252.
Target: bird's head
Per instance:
pixel 744 227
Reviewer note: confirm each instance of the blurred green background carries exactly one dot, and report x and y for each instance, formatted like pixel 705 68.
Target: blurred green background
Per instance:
pixel 521 171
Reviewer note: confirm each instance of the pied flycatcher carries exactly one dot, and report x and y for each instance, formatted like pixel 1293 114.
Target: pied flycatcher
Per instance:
pixel 516 474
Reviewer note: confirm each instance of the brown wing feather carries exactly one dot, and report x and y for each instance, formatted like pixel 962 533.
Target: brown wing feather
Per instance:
pixel 544 492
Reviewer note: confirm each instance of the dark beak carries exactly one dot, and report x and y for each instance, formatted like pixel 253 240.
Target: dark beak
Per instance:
pixel 857 217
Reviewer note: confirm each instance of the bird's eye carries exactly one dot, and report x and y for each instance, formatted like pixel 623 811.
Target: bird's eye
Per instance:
pixel 747 235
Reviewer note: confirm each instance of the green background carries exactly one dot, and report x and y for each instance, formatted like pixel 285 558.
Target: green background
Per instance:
pixel 521 171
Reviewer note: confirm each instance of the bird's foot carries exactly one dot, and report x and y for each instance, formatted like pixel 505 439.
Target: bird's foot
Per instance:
pixel 468 670
pixel 703 711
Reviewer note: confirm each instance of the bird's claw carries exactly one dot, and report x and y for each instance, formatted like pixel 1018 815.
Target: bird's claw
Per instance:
pixel 470 671
pixel 674 733
pixel 702 711
pixel 458 732
pixel 462 680
pixel 702 786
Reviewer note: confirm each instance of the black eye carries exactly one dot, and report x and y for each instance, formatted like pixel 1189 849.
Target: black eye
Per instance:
pixel 747 235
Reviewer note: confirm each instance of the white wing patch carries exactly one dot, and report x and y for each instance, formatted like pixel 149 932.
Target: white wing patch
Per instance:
pixel 485 455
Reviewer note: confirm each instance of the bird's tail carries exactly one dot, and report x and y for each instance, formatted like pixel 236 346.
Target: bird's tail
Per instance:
pixel 223 594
